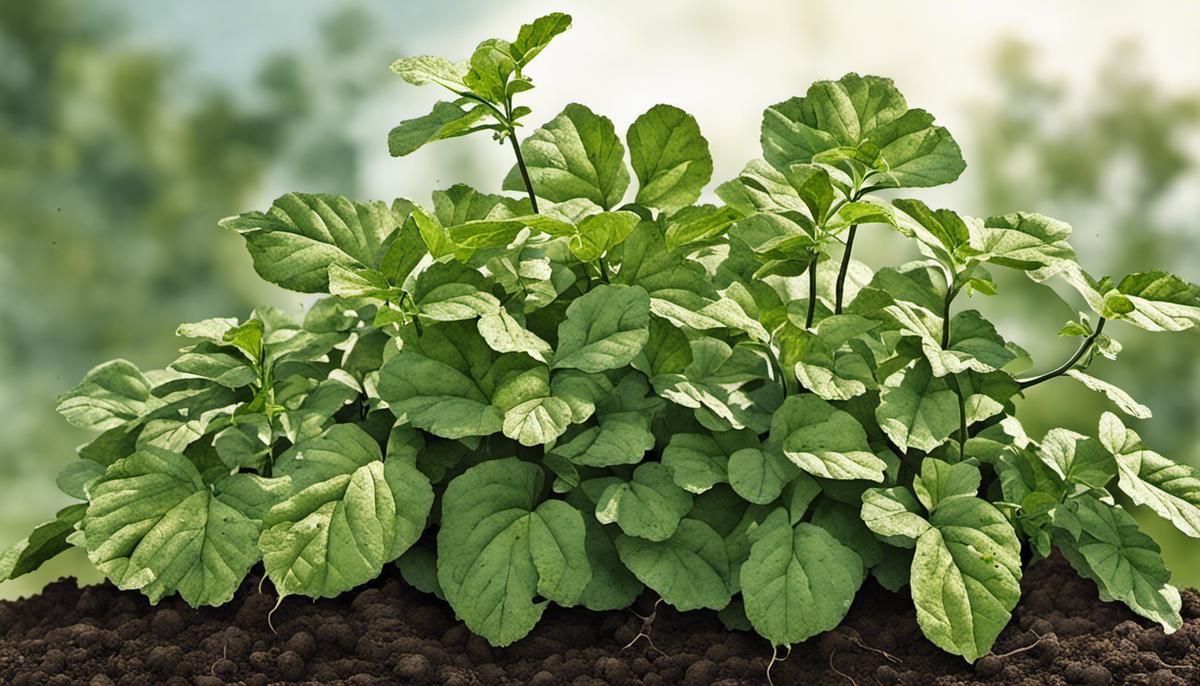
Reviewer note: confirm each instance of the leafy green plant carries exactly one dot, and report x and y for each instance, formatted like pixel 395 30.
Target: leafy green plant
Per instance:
pixel 563 397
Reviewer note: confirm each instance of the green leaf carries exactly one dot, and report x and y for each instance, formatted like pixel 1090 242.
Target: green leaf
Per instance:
pixel 966 576
pixel 440 381
pixel 690 570
pixel 604 329
pixel 824 441
pixel 247 337
pixel 648 506
pixel 153 525
pixel 1030 242
pixel 75 478
pixel 864 119
pixel 1119 397
pixel 575 155
pixel 230 371
pixel 799 581
pixel 43 544
pixel 504 333
pixel 330 536
pixel 844 523
pixel 1160 301
pixel 296 241
pixel 698 461
pixel 1102 542
pixel 349 513
pixel 893 513
pixel 498 549
pixel 680 290
pixel 699 223
pixel 670 158
pixel 413 495
pixel 667 351
pixel 713 382
pixel 538 421
pixel 759 474
pixel 612 586
pixel 1171 490
pixel 913 153
pixel 430 69
pixel 1077 459
pixel 599 233
pixel 110 395
pixel 358 283
pixel 450 291
pixel 535 36
pixel 623 413
pixel 952 238
pixel 917 409
pixel 824 369
pixel 941 481
pixel 418 566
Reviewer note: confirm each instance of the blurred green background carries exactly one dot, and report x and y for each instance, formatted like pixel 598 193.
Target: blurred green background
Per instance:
pixel 127 129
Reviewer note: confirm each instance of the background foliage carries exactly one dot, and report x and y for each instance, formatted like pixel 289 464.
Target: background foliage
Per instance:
pixel 118 153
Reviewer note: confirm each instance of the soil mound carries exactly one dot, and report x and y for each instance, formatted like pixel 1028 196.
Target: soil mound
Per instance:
pixel 389 633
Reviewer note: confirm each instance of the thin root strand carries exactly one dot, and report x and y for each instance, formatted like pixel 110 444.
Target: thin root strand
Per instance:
pixel 838 671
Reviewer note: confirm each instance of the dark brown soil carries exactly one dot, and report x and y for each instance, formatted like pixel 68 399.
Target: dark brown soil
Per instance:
pixel 391 634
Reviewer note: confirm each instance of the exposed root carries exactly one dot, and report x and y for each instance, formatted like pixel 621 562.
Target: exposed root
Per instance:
pixel 858 642
pixel 271 616
pixel 838 671
pixel 775 658
pixel 212 669
pixel 1165 665
pixel 644 632
pixel 1024 648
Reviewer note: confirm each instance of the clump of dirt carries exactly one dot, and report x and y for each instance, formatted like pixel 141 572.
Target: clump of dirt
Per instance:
pixel 389 633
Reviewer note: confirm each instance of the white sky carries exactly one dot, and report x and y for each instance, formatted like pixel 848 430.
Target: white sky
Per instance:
pixel 721 60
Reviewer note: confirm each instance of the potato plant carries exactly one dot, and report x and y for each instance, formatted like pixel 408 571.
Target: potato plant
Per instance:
pixel 597 387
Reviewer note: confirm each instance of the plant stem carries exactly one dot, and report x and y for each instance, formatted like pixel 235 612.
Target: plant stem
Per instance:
pixel 599 260
pixel 950 295
pixel 840 287
pixel 845 268
pixel 812 293
pixel 962 418
pixel 1066 366
pixel 773 359
pixel 524 172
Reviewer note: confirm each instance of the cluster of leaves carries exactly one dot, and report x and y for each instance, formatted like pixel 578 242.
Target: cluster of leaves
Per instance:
pixel 577 402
